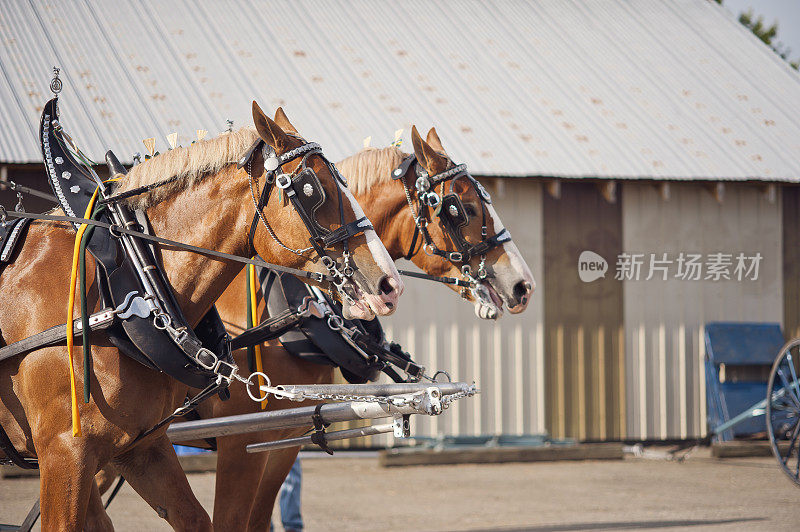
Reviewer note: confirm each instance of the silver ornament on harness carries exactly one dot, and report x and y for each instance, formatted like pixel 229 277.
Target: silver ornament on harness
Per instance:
pixel 308 190
pixel 271 163
pixel 453 210
pixel 423 185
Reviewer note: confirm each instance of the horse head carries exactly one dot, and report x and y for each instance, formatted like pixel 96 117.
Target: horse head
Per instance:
pixel 315 220
pixel 465 236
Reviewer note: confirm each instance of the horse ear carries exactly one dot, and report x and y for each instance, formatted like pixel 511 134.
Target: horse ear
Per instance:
pixel 282 120
pixel 426 155
pixel 433 140
pixel 269 131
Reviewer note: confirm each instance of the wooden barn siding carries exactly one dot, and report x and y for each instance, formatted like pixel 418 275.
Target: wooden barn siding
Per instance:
pixel 505 358
pixel 664 319
pixel 584 359
pixel 791 261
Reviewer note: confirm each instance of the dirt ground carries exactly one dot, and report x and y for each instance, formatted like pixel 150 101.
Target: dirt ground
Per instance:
pixel 342 493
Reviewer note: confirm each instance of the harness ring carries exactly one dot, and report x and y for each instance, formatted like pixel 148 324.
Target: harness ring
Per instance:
pixel 162 321
pixel 249 382
pixel 114 232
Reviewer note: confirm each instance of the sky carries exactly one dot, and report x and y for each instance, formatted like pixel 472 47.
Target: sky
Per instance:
pixel 785 12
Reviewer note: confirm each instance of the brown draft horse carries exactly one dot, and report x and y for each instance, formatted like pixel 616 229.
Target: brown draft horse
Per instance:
pixel 209 205
pixel 247 484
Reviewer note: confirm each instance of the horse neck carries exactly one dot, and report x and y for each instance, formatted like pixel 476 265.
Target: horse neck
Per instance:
pixel 212 214
pixel 386 206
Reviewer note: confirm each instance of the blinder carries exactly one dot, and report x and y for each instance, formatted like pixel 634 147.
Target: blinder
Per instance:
pixel 307 188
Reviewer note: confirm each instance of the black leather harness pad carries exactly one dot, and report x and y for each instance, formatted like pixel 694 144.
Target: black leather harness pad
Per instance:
pixel 135 336
pixel 313 340
pixel 405 164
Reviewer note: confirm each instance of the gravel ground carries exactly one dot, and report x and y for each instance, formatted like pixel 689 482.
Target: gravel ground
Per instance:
pixel 343 493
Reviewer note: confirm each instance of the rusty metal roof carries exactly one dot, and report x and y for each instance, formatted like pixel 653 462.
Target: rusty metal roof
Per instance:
pixel 672 89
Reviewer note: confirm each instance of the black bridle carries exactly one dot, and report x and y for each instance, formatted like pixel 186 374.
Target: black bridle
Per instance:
pixel 306 194
pixel 451 214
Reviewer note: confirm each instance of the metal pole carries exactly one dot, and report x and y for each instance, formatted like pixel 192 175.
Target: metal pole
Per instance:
pixel 382 390
pixel 371 430
pixel 282 419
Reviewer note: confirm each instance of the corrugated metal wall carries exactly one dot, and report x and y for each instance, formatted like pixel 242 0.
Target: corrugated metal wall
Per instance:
pixel 663 319
pixel 644 380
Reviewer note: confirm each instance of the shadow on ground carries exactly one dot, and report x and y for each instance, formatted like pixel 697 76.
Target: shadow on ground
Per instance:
pixel 619 525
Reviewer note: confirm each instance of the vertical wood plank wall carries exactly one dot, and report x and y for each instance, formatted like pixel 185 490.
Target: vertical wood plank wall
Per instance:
pixel 585 386
pixel 664 319
pixel 791 261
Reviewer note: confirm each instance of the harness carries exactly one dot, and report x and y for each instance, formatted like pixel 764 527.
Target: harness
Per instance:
pixel 139 312
pixel 451 213
pixel 358 347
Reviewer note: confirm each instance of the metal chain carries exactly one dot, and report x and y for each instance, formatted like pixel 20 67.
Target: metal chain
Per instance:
pixel 446 400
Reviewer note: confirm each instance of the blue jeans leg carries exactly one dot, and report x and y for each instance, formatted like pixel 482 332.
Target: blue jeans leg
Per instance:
pixel 290 499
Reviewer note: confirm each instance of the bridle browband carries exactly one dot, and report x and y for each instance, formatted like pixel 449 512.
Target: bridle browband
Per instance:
pixel 306 194
pixel 452 216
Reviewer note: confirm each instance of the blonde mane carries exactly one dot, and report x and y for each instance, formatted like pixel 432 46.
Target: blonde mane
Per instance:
pixel 188 165
pixel 370 166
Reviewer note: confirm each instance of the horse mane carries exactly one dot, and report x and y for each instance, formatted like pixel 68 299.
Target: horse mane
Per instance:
pixel 187 164
pixel 370 166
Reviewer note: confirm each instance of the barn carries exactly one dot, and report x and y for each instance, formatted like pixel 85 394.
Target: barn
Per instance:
pixel 656 135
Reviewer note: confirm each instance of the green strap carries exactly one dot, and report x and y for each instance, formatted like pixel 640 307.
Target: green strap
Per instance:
pixel 251 352
pixel 87 345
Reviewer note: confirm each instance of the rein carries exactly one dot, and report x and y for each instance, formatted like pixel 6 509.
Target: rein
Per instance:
pixel 115 230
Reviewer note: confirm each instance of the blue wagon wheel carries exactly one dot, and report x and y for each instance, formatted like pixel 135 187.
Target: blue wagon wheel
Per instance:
pixel 783 409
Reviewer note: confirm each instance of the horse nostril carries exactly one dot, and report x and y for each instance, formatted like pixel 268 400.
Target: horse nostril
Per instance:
pixel 388 304
pixel 521 291
pixel 384 286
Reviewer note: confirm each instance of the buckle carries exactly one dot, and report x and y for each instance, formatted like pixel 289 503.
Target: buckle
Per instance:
pixel 283 181
pixel 225 369
pixel 455 256
pixel 432 199
pixel 204 354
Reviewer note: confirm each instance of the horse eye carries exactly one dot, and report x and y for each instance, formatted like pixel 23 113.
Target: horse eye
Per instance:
pixel 470 210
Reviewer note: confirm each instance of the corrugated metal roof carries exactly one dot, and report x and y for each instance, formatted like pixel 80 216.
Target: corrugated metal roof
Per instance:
pixel 600 88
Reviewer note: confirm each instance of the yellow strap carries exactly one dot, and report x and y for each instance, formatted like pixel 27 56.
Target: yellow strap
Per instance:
pixel 251 271
pixel 76 418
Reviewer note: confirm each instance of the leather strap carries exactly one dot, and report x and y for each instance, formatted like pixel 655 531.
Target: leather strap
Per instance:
pixel 196 249
pixel 55 335
pixel 318 436
pixel 347 231
pixel 267 330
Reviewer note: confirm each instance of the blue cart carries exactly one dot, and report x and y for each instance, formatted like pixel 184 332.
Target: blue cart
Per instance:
pixel 742 348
